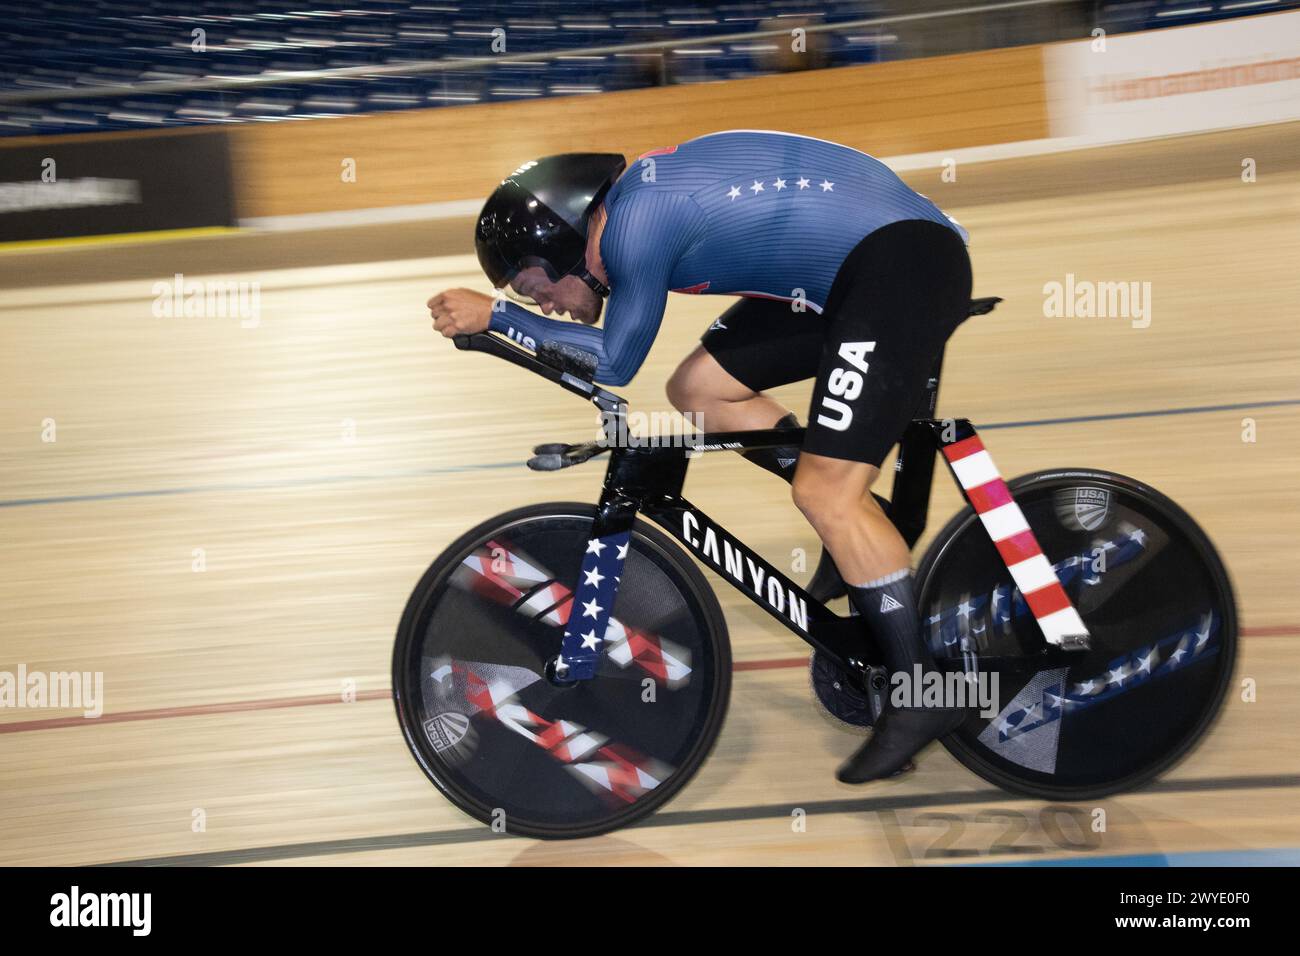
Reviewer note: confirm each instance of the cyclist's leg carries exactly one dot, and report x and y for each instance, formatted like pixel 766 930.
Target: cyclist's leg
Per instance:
pixel 755 345
pixel 898 297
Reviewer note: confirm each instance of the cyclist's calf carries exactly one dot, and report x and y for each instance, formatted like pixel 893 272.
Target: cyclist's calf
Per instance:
pixel 835 496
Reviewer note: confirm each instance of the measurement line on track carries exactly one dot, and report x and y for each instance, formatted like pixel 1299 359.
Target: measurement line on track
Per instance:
pixel 768 664
pixel 1153 413
pixel 192 710
pixel 235 486
pixel 669 818
pixel 459 469
pixel 281 703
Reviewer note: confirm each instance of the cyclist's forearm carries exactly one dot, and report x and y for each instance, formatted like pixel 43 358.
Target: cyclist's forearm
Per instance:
pixel 531 330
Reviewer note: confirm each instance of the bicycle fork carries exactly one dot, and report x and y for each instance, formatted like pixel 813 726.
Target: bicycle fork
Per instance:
pixel 634 474
pixel 596 589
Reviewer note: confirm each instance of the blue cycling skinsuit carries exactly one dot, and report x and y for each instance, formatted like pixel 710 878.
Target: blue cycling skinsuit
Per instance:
pixel 846 274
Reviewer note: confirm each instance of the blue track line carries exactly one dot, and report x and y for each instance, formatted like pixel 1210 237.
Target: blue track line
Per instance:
pixel 1281 856
pixel 256 485
pixel 1157 413
pixel 462 469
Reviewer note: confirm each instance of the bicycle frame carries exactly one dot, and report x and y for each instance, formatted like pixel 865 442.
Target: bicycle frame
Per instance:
pixel 648 480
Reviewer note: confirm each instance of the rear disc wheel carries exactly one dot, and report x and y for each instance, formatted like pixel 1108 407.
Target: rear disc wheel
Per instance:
pixel 1157 602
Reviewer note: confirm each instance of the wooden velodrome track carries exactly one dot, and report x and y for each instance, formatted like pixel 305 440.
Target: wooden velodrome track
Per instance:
pixel 224 689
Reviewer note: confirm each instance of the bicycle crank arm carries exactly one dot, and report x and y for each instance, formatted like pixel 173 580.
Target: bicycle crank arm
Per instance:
pixel 1046 659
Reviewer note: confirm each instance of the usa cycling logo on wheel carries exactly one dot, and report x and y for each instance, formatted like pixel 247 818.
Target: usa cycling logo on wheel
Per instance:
pixel 446 730
pixel 1085 508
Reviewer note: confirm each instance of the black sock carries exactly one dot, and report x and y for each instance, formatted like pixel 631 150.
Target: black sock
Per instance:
pixel 889 606
pixel 780 460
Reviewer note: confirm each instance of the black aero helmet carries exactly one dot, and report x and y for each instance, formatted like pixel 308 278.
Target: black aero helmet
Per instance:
pixel 538 217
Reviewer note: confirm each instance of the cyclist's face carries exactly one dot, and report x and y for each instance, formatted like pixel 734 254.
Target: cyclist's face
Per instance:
pixel 569 296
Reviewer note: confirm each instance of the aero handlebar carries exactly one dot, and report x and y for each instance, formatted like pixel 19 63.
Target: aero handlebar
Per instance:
pixel 569 367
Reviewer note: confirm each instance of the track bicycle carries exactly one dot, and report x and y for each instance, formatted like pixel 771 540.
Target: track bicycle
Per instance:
pixel 563 669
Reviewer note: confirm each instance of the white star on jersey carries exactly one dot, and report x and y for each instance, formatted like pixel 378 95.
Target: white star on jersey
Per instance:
pixel 594 577
pixel 595 546
pixel 622 548
pixel 803 182
pixel 591 609
pixel 589 640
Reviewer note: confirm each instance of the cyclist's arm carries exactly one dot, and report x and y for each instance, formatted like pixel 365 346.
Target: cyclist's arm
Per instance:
pixel 642 242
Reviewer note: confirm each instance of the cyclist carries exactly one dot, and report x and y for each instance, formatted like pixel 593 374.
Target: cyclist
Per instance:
pixel 846 275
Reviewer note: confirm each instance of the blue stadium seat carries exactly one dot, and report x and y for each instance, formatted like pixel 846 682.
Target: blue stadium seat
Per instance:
pixel 79 44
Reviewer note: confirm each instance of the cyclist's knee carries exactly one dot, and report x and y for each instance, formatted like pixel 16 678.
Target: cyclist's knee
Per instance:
pixel 685 389
pixel 699 383
pixel 830 491
pixel 821 498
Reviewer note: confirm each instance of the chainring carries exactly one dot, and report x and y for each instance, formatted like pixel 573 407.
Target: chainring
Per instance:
pixel 836 693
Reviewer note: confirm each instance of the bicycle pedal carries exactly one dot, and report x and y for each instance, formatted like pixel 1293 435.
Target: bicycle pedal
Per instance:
pixel 877 686
pixel 1076 642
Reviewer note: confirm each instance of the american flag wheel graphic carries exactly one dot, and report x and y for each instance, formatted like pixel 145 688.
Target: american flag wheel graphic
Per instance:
pixel 532 756
pixel 1156 600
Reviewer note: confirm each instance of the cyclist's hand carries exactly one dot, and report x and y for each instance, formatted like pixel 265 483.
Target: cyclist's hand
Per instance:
pixel 460 312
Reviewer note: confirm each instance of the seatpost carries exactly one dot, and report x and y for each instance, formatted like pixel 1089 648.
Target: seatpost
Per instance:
pixel 909 502
pixel 931 400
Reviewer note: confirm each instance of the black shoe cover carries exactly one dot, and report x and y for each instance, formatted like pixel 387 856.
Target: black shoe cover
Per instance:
pixel 901 734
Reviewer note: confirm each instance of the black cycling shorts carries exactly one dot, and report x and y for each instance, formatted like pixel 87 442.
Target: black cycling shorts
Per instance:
pixel 896 299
